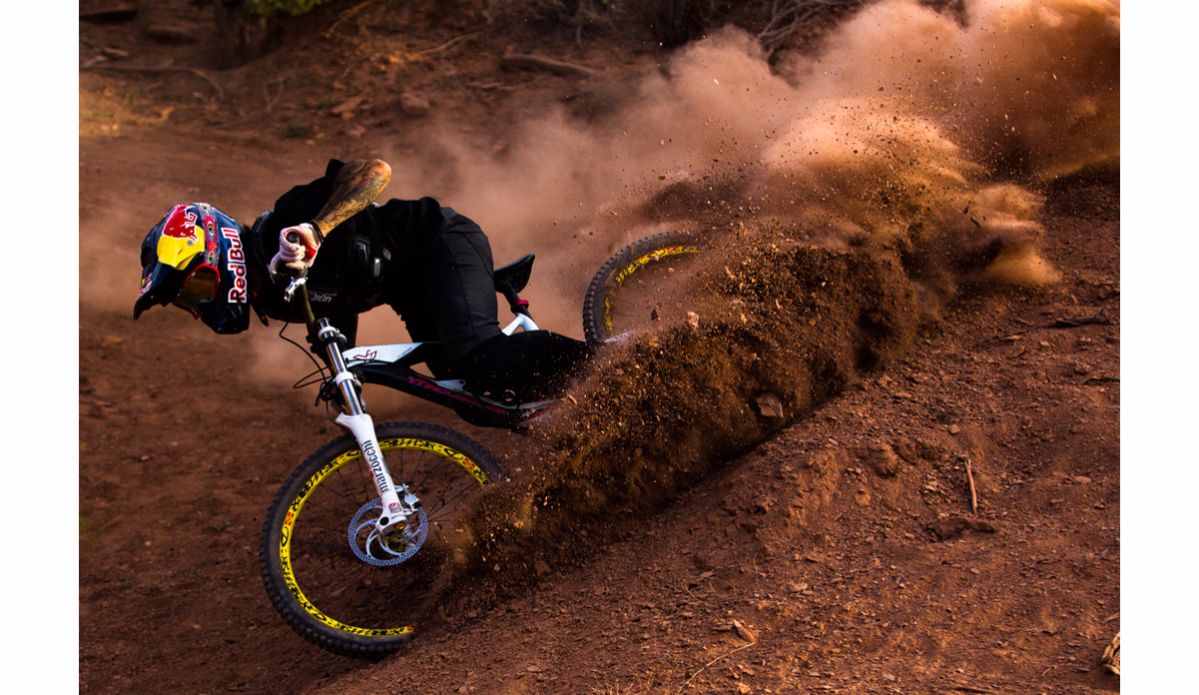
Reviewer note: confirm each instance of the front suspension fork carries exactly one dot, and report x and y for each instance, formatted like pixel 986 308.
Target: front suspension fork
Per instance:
pixel 398 502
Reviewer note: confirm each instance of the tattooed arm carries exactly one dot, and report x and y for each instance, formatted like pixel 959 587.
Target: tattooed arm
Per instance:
pixel 357 185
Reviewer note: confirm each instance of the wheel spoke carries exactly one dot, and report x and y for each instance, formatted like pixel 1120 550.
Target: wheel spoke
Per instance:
pixel 375 585
pixel 326 528
pixel 366 487
pixel 339 575
pixel 345 486
pixel 313 502
pixel 350 593
pixel 445 504
pixel 314 545
pixel 400 456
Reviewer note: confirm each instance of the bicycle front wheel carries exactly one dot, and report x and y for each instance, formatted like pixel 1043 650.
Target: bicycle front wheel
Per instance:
pixel 334 581
pixel 643 283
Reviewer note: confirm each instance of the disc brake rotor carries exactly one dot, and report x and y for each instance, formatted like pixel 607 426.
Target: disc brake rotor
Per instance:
pixel 373 548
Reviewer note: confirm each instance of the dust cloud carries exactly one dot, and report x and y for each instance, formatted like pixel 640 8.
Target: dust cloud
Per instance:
pixel 104 285
pixel 927 132
pixel 924 130
pixel 899 162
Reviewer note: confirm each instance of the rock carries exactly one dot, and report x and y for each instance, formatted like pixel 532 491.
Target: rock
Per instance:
pixel 541 567
pixel 113 13
pixel 414 104
pixel 1111 656
pixel 828 458
pixel 347 106
pixel 531 62
pixel 906 450
pixel 745 633
pixel 769 405
pixel 693 320
pixel 170 33
pixel 113 53
pixel 954 526
pixel 883 459
pixel 927 450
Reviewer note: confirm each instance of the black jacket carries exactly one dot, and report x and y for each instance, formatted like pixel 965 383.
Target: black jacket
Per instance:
pixel 368 260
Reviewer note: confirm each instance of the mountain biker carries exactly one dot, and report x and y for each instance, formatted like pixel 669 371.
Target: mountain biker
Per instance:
pixel 431 265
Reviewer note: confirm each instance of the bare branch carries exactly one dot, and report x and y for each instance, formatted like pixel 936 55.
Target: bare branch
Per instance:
pixel 788 16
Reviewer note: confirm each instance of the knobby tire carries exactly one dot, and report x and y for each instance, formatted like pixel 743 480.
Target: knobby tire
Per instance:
pixel 317 584
pixel 635 269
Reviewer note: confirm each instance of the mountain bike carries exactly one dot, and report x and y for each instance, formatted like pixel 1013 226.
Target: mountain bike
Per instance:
pixel 357 535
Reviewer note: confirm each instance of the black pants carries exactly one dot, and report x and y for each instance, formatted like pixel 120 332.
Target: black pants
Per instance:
pixel 523 367
pixel 453 300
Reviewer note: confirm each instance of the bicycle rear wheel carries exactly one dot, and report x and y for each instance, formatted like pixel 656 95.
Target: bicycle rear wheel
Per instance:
pixel 641 284
pixel 341 590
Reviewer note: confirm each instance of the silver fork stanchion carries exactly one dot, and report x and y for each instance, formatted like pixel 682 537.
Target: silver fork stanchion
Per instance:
pixel 398 503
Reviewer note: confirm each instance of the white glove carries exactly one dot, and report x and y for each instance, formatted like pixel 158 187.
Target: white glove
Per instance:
pixel 297 255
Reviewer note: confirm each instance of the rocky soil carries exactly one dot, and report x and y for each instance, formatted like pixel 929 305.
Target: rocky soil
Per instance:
pixel 946 520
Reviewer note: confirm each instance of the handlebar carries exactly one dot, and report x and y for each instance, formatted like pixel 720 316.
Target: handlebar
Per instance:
pixel 299 280
pixel 295 272
pixel 299 276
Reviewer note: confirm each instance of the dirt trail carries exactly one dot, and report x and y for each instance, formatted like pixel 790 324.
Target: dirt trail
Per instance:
pixel 845 542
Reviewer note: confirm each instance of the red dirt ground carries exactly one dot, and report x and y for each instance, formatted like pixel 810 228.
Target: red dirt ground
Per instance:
pixel 845 542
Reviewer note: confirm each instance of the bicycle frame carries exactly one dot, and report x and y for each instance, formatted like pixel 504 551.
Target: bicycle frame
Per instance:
pixel 392 366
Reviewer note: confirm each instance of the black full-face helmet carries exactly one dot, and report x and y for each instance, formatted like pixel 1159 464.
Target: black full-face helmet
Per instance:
pixel 193 258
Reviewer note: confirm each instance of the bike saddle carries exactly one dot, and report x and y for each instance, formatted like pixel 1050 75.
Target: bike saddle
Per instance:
pixel 515 273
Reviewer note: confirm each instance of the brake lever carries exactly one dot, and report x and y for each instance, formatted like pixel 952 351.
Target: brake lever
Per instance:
pixel 295 284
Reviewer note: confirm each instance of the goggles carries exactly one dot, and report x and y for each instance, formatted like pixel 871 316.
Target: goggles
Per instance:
pixel 199 287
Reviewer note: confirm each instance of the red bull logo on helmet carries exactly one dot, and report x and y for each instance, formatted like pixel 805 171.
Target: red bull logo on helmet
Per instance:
pixel 182 225
pixel 179 241
pixel 235 263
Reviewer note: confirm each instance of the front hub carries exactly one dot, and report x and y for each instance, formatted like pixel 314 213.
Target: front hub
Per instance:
pixel 392 547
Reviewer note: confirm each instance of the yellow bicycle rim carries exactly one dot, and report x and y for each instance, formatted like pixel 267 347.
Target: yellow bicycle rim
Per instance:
pixel 310 486
pixel 656 255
